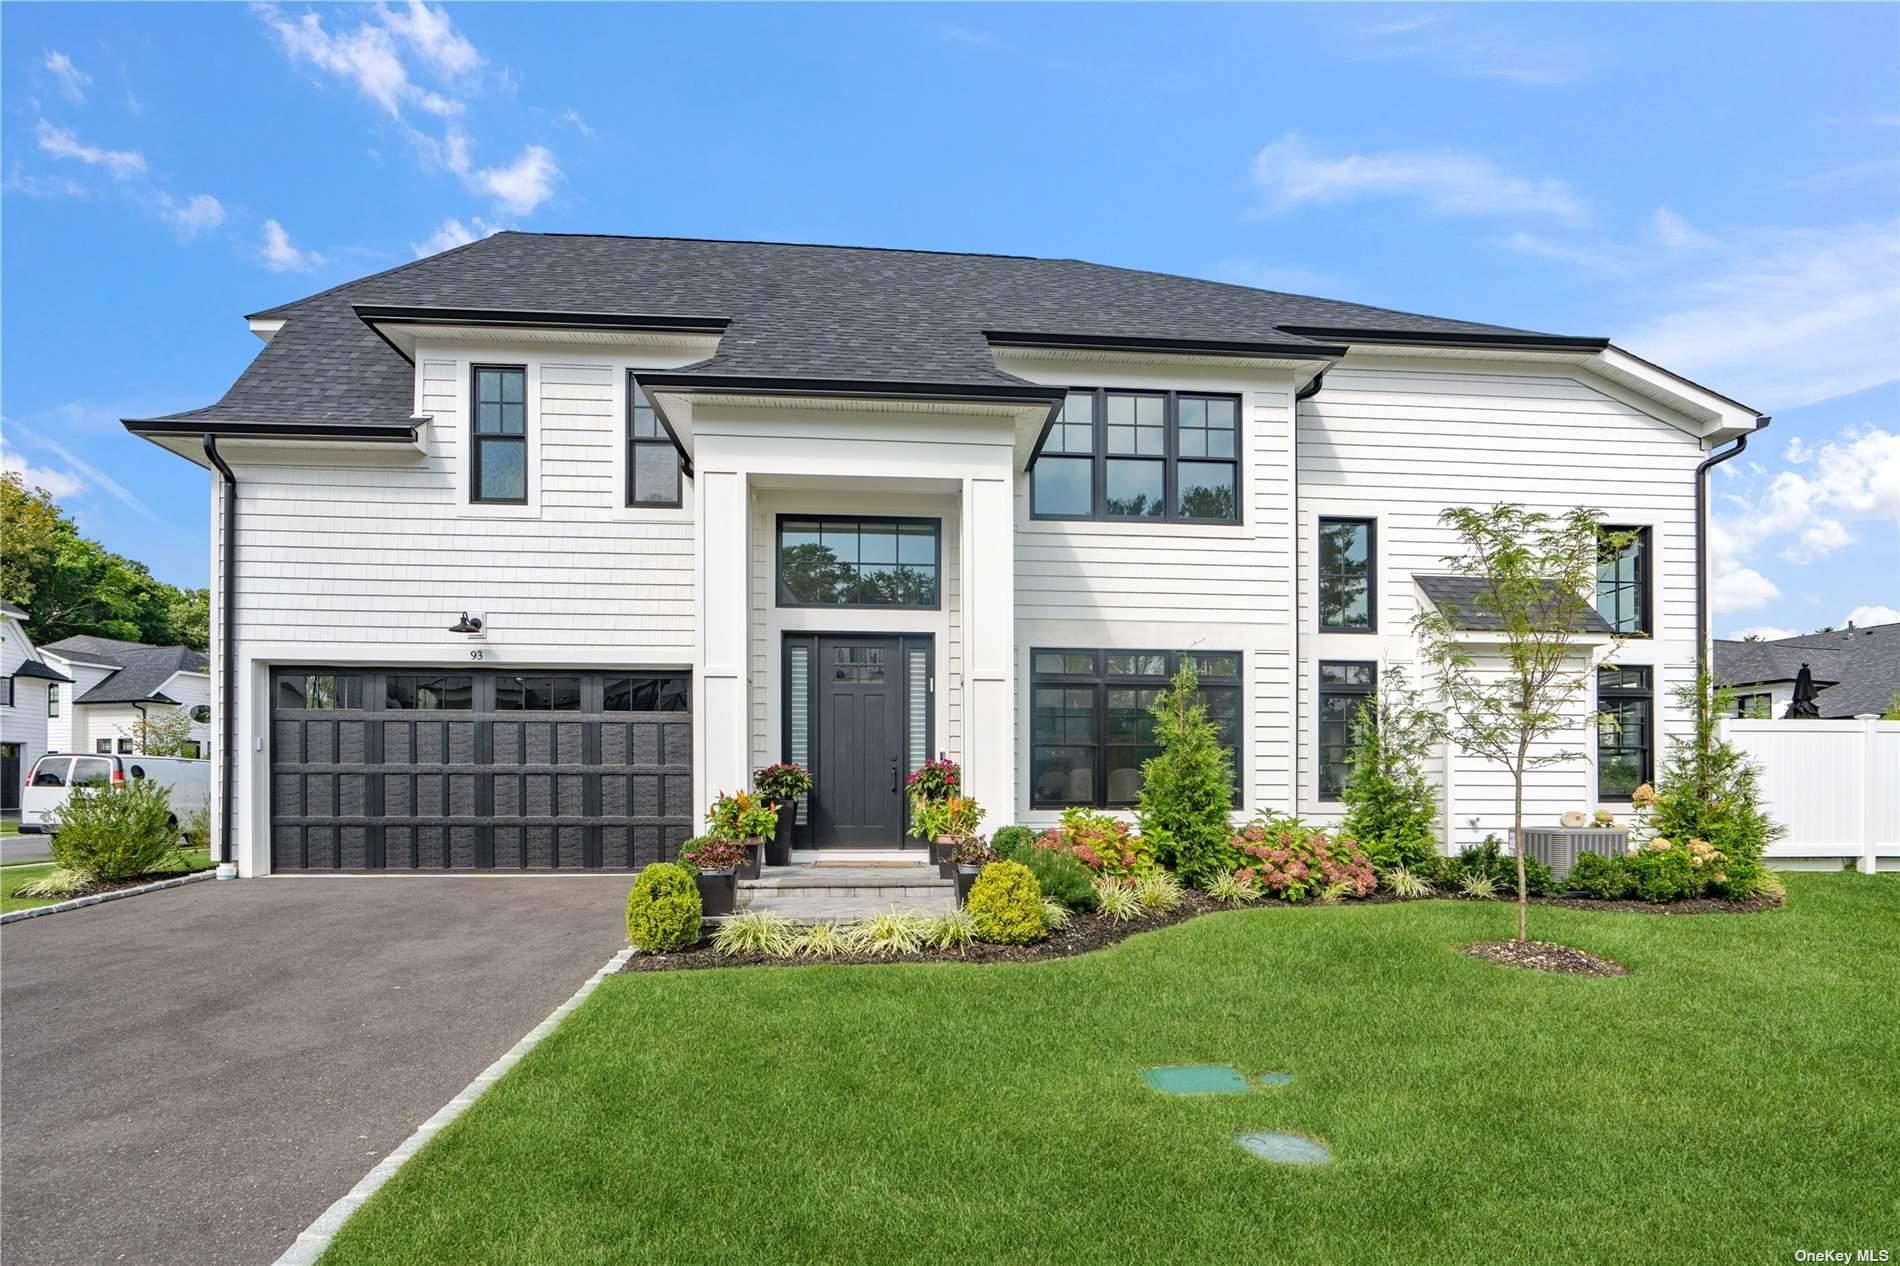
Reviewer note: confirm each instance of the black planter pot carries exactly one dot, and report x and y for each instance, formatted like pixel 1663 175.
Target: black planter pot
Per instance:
pixel 965 877
pixel 940 851
pixel 754 858
pixel 778 849
pixel 718 891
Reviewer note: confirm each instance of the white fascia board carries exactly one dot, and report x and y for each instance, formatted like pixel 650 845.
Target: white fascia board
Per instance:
pixel 265 327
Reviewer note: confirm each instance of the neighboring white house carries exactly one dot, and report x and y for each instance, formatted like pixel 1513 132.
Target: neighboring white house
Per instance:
pixel 116 685
pixel 28 688
pixel 714 504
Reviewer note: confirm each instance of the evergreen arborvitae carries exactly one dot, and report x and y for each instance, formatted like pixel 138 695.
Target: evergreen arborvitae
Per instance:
pixel 1188 790
pixel 1391 808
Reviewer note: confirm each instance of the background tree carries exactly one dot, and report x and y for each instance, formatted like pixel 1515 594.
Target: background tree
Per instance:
pixel 163 731
pixel 1187 790
pixel 71 584
pixel 1536 573
pixel 1390 806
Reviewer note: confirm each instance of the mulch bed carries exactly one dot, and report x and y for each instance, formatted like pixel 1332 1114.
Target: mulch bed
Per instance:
pixel 1543 956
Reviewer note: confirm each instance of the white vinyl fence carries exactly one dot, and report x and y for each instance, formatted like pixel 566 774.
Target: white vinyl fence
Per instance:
pixel 1834 784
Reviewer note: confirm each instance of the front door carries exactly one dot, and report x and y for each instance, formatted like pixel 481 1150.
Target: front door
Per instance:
pixel 10 776
pixel 858 796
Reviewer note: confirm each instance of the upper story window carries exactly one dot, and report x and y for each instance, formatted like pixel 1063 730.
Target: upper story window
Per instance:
pixel 837 561
pixel 498 470
pixel 6 692
pixel 1623 583
pixel 653 461
pixel 1348 592
pixel 1140 455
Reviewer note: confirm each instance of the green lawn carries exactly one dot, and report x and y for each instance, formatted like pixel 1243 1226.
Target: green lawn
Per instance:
pixel 9 826
pixel 1736 1098
pixel 19 874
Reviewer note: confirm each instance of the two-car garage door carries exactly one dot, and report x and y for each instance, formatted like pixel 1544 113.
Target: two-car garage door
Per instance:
pixel 419 769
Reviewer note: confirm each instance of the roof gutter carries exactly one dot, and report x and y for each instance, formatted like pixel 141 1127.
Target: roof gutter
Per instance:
pixel 1702 541
pixel 227 648
pixel 1251 349
pixel 393 433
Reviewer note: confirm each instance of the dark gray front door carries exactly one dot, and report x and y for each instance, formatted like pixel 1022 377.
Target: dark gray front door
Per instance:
pixel 858 801
pixel 9 776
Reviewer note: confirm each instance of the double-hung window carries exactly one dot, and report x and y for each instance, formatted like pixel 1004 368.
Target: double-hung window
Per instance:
pixel 1625 730
pixel 653 462
pixel 1348 576
pixel 1623 582
pixel 6 692
pixel 499 468
pixel 1344 688
pixel 1755 707
pixel 1148 455
pixel 52 699
pixel 1090 723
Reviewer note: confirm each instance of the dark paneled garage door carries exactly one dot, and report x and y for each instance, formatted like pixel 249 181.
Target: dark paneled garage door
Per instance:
pixel 417 769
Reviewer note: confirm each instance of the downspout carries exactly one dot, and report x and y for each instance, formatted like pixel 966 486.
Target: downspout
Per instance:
pixel 227 649
pixel 1702 543
pixel 144 721
pixel 1294 773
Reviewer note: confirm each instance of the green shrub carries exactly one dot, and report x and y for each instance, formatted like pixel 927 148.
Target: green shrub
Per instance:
pixel 1390 803
pixel 1188 789
pixel 1006 904
pixel 1060 874
pixel 116 832
pixel 1478 886
pixel 663 910
pixel 1232 890
pixel 1662 875
pixel 1490 860
pixel 1605 878
pixel 1293 861
pixel 888 935
pixel 1710 791
pixel 821 940
pixel 755 932
pixel 197 829
pixel 56 884
pixel 1159 892
pixel 1055 915
pixel 1104 843
pixel 953 931
pixel 1407 884
pixel 1116 899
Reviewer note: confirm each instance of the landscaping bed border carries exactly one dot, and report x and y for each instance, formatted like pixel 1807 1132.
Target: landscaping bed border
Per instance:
pixel 110 894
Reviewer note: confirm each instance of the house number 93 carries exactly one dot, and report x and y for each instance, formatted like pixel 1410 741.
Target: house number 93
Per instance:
pixel 475 654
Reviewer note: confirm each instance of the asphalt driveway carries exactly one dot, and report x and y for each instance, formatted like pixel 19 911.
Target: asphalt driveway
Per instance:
pixel 193 1075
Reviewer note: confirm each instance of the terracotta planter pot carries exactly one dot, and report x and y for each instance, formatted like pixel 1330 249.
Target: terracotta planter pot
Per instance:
pixel 718 891
pixel 778 850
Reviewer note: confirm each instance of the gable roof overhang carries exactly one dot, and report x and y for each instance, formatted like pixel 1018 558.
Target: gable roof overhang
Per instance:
pixel 40 671
pixel 403 325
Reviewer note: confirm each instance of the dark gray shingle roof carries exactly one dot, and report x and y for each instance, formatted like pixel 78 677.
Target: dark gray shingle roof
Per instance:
pixel 1457 597
pixel 863 314
pixel 142 668
pixel 7 608
pixel 33 668
pixel 1860 666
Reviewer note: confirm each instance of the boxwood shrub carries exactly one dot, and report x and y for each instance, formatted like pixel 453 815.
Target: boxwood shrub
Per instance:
pixel 1006 904
pixel 1060 875
pixel 663 910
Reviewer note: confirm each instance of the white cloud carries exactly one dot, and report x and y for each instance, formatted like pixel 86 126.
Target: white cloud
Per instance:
pixel 19 181
pixel 280 256
pixel 1677 233
pixel 1867 617
pixel 94 476
pixel 61 483
pixel 367 58
pixel 433 36
pixel 1762 632
pixel 1787 317
pixel 452 233
pixel 1736 588
pixel 62 143
pixel 1582 257
pixel 572 118
pixel 1289 174
pixel 197 214
pixel 73 81
pixel 1456 47
pixel 524 184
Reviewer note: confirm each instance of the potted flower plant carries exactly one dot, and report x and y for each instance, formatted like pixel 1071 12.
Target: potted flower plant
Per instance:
pixel 742 818
pixel 715 866
pixel 969 856
pixel 946 823
pixel 782 784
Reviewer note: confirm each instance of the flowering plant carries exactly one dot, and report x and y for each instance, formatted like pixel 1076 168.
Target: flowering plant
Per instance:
pixel 1293 862
pixel 741 815
pixel 972 851
pixel 937 780
pixel 955 817
pixel 783 781
pixel 712 854
pixel 1104 843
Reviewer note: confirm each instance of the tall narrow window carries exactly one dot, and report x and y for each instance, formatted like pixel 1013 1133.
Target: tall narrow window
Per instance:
pixel 917 702
pixel 1625 721
pixel 499 470
pixel 798 709
pixel 1344 688
pixel 653 463
pixel 6 692
pixel 1136 479
pixel 1623 583
pixel 1062 485
pixel 1348 600
pixel 52 699
pixel 1207 464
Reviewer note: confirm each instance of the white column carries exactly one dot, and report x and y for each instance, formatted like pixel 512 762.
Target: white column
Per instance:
pixel 721 724
pixel 989 651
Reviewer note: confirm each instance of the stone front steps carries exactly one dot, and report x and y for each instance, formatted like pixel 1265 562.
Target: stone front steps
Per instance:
pixel 818 892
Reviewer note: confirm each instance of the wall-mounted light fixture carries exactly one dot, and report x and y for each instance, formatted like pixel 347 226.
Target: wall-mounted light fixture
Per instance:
pixel 467 624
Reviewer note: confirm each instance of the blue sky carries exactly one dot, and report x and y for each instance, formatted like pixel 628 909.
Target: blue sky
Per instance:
pixel 1716 187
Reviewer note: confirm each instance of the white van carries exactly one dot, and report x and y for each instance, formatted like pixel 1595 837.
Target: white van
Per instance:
pixel 56 774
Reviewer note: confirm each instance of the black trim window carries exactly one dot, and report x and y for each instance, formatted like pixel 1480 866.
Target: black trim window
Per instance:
pixel 648 694
pixel 653 460
pixel 319 691
pixel 1625 729
pixel 1755 707
pixel 1623 584
pixel 429 692
pixel 833 561
pixel 1344 688
pixel 6 692
pixel 1090 725
pixel 52 699
pixel 1140 455
pixel 540 692
pixel 102 746
pixel 499 468
pixel 1348 575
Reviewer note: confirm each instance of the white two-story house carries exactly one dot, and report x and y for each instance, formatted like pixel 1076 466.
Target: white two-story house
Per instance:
pixel 525 550
pixel 29 690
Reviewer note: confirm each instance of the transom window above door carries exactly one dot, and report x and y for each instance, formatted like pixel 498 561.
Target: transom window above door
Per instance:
pixel 858 561
pixel 1158 455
